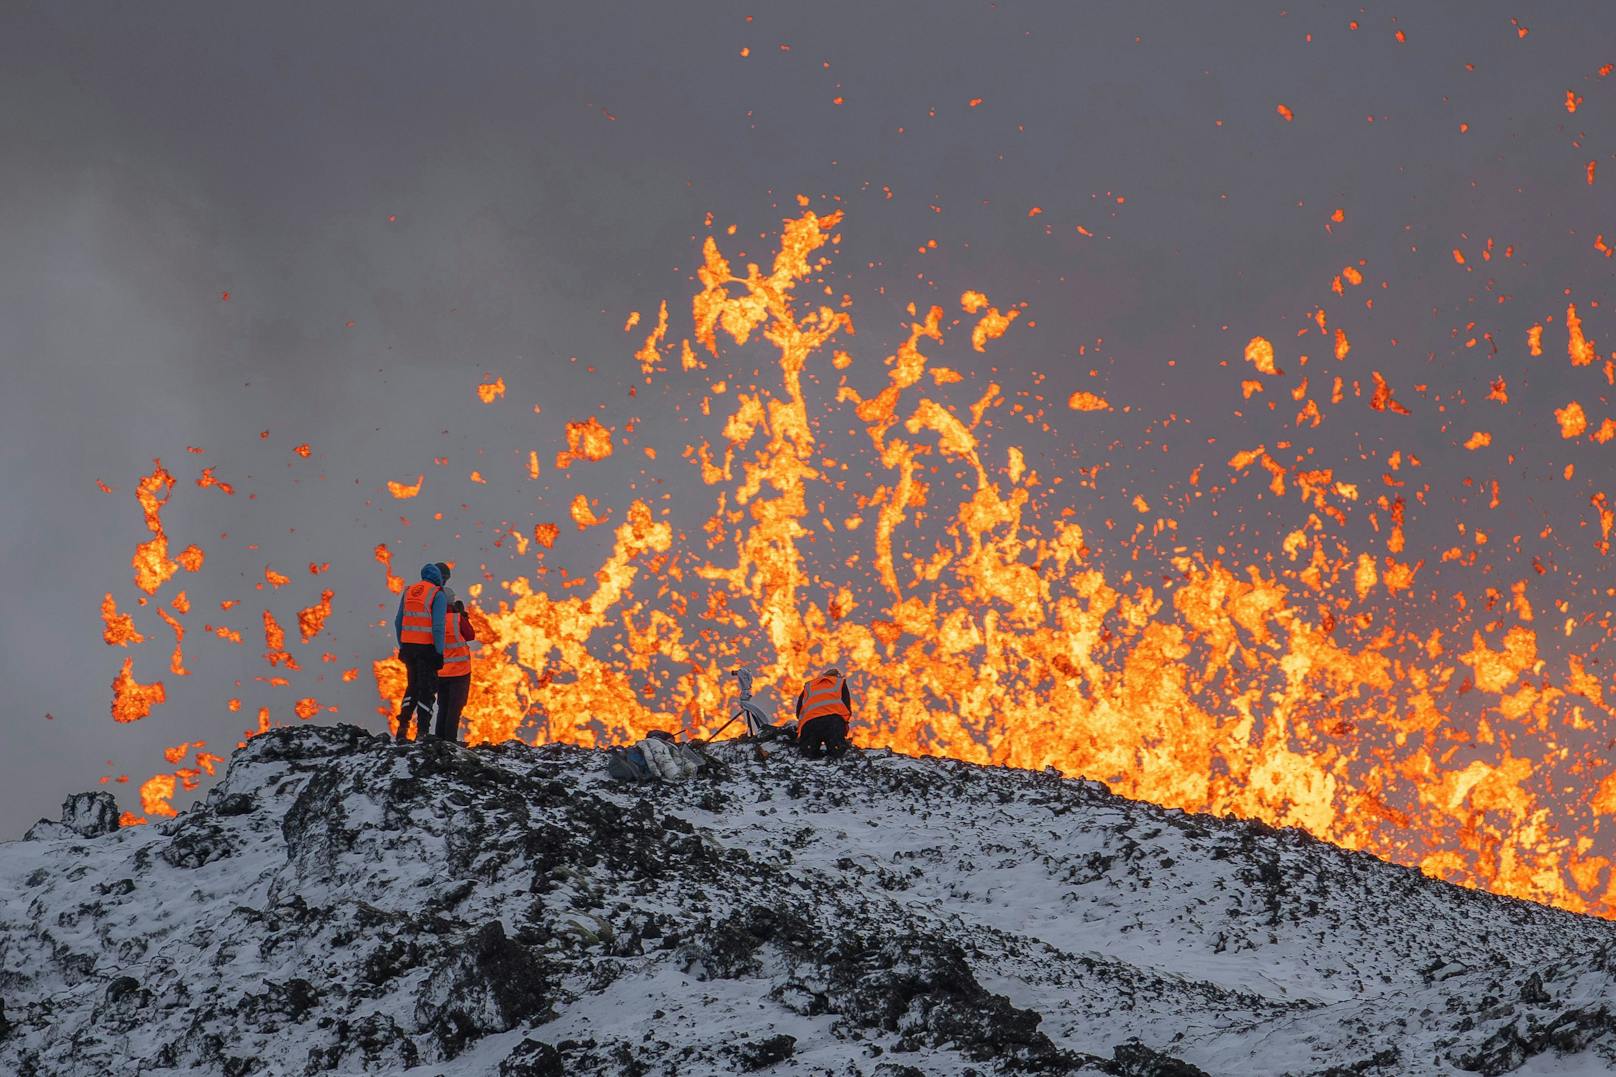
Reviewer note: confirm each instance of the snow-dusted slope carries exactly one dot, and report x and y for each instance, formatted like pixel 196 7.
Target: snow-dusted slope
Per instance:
pixel 341 905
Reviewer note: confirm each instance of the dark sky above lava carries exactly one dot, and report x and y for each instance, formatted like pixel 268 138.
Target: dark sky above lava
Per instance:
pixel 401 198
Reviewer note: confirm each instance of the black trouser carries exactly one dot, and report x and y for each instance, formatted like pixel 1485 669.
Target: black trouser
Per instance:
pixel 824 735
pixel 421 662
pixel 452 692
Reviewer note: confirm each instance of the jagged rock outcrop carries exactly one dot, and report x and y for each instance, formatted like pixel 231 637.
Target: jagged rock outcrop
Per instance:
pixel 85 815
pixel 484 983
pixel 340 904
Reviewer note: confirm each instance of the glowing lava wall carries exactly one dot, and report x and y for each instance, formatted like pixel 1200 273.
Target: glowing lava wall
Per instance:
pixel 884 513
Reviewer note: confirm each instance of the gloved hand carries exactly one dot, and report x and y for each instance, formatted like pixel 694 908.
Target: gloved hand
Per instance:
pixel 438 658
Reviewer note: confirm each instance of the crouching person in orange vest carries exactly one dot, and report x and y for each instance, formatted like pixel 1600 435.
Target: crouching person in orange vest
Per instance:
pixel 419 627
pixel 823 709
pixel 454 679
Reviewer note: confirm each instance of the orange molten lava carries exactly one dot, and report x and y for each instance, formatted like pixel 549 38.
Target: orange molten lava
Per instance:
pixel 1268 690
pixel 120 628
pixel 311 619
pixel 151 563
pixel 404 492
pixel 991 611
pixel 131 700
pixel 587 440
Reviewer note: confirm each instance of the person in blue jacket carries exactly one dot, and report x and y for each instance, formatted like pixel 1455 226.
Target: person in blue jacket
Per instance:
pixel 419 628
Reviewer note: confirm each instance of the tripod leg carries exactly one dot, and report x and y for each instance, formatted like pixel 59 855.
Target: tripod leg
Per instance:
pixel 725 726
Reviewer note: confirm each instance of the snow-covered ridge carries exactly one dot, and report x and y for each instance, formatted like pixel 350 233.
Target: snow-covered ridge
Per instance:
pixel 342 905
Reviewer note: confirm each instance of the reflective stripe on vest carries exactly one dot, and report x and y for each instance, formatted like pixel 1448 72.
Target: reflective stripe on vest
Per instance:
pixel 823 696
pixel 417 627
pixel 456 650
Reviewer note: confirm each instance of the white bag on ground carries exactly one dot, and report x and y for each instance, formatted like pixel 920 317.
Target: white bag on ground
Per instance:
pixel 670 762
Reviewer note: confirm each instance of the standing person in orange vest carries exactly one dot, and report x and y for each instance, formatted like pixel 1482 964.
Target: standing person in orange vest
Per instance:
pixel 824 707
pixel 454 679
pixel 419 627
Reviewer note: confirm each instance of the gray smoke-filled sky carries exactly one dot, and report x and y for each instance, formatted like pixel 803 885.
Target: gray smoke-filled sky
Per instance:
pixel 401 198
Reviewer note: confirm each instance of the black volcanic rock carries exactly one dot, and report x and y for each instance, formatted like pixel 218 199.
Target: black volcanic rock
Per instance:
pixel 1134 1059
pixel 341 904
pixel 761 1054
pixel 532 1058
pixel 922 988
pixel 197 842
pixel 484 983
pixel 88 815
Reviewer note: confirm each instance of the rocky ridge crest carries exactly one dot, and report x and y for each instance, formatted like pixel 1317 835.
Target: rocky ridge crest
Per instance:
pixel 341 905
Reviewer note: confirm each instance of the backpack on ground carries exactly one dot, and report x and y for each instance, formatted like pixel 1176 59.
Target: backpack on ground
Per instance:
pixel 628 765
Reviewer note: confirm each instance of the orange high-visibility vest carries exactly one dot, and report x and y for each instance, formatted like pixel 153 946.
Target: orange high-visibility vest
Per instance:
pixel 822 696
pixel 456 650
pixel 417 627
